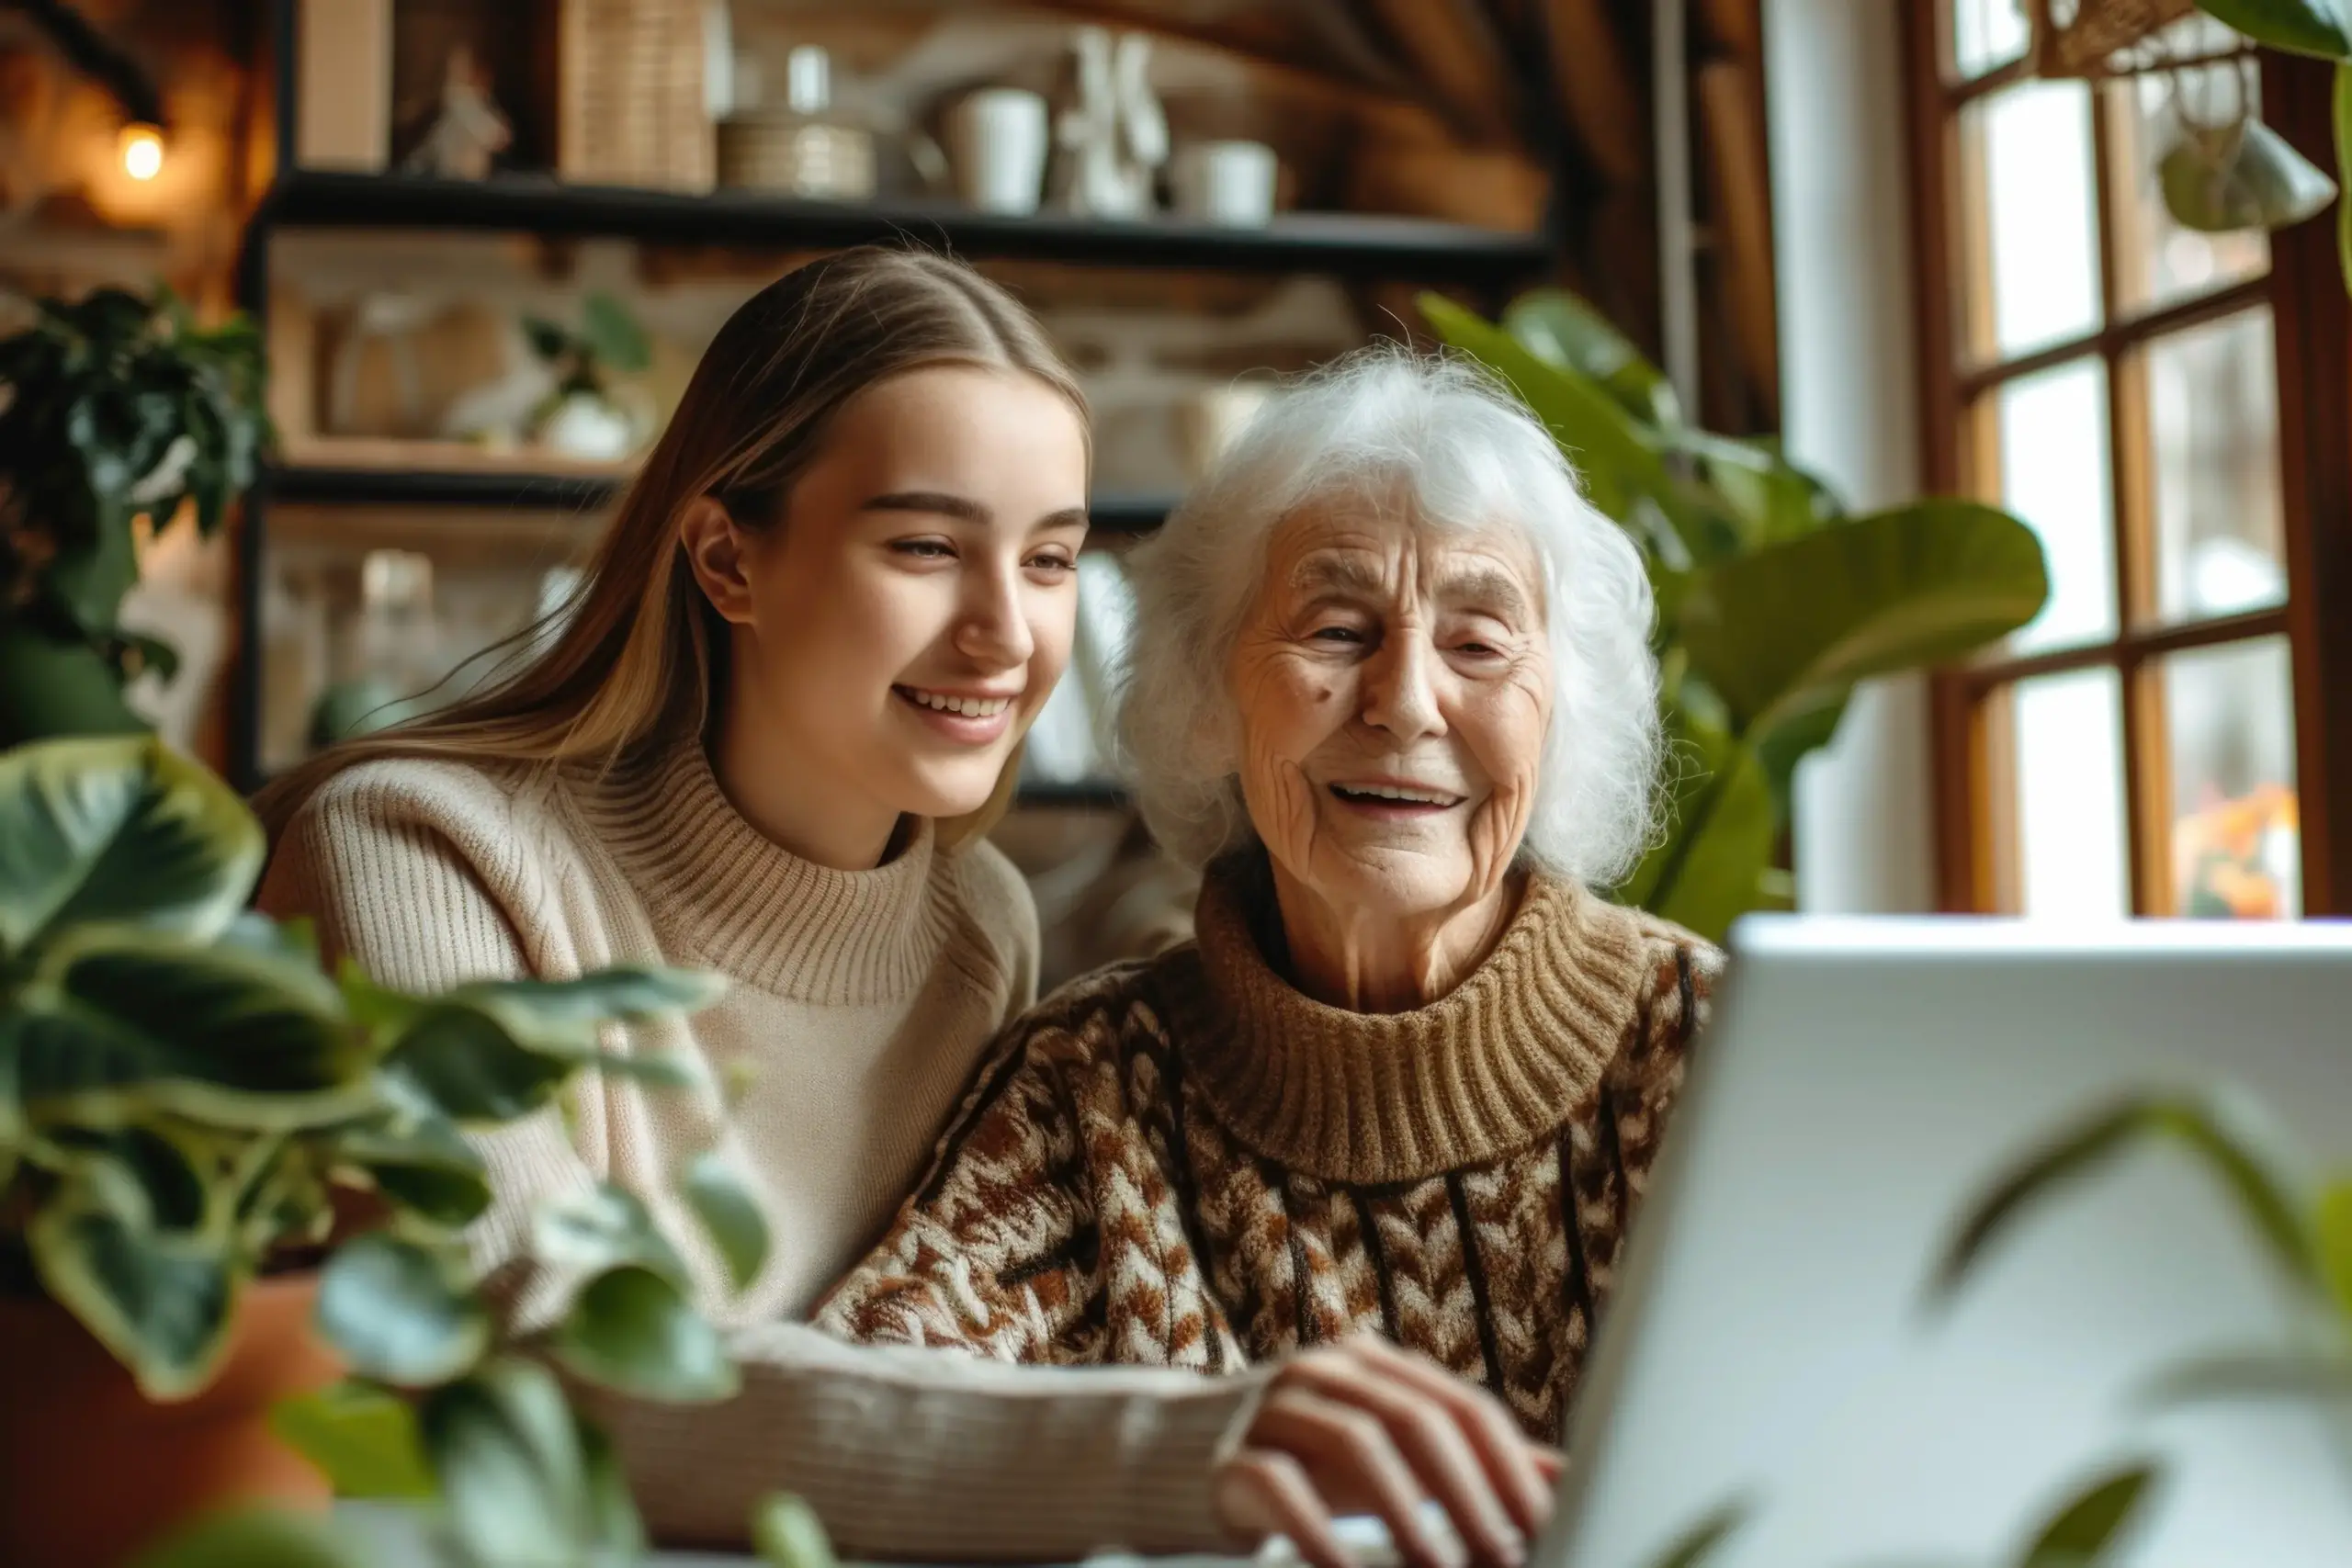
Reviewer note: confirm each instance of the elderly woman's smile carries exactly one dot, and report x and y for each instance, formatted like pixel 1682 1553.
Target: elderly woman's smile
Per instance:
pixel 1392 681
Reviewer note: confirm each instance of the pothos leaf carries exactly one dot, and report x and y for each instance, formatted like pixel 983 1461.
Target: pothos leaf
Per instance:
pixel 159 1301
pixel 729 1215
pixel 506 1452
pixel 362 1436
pixel 633 1332
pixel 787 1533
pixel 399 1312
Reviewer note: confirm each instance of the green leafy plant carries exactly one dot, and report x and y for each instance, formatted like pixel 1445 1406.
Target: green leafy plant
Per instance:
pixel 2306 1231
pixel 1772 601
pixel 2090 1527
pixel 187 1101
pixel 116 408
pixel 609 339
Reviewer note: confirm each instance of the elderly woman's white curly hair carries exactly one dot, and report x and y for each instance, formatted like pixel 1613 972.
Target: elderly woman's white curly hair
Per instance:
pixel 1384 427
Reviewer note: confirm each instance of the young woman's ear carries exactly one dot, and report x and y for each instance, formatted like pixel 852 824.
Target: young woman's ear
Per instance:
pixel 718 552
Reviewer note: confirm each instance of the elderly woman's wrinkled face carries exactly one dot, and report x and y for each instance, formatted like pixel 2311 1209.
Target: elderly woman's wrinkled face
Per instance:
pixel 1394 683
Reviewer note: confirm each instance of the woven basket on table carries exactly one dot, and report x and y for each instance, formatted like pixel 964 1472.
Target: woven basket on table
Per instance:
pixel 633 110
pixel 2081 38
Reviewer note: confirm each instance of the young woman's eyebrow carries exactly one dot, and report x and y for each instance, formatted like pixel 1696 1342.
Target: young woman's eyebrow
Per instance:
pixel 931 503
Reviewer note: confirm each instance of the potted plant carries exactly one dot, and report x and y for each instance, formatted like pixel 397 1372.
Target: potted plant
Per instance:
pixel 225 1176
pixel 117 407
pixel 585 415
pixel 1772 601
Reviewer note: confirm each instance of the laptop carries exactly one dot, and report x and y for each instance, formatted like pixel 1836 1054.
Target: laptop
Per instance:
pixel 1769 1354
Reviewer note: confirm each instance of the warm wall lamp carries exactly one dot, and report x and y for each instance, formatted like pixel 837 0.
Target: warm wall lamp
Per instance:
pixel 87 51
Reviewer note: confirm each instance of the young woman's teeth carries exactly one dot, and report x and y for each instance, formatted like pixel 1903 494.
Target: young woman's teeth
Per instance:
pixel 1393 792
pixel 969 707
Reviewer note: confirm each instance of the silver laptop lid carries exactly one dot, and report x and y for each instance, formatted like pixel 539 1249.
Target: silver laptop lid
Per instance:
pixel 1861 1082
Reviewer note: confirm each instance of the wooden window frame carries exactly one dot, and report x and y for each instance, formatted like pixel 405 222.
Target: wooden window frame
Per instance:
pixel 2305 291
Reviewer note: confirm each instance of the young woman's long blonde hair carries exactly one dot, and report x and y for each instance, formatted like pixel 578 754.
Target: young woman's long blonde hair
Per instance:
pixel 639 655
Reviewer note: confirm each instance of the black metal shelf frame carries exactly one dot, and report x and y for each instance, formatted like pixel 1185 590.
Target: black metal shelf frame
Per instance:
pixel 320 484
pixel 1351 247
pixel 1339 244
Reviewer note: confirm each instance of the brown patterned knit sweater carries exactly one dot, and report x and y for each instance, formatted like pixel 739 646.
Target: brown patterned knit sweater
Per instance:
pixel 1188 1162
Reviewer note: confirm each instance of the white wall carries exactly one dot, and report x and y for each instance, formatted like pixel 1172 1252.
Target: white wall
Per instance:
pixel 1865 807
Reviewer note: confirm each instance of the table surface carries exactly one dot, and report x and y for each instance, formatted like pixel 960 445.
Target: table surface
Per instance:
pixel 394 1537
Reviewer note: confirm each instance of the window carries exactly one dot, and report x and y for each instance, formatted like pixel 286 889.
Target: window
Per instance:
pixel 2113 379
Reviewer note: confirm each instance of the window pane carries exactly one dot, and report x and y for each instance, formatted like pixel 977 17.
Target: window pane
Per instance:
pixel 2070 811
pixel 2162 261
pixel 2054 474
pixel 2230 714
pixel 2030 150
pixel 2213 412
pixel 1986 33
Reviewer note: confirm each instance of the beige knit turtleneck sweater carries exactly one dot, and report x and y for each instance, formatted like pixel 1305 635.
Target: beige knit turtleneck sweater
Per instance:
pixel 860 1003
pixel 1190 1163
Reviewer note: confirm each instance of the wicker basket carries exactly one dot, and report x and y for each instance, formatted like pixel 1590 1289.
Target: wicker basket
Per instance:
pixel 2082 37
pixel 632 105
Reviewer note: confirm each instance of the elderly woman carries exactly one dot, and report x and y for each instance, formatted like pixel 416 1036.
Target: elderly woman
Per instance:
pixel 1391 685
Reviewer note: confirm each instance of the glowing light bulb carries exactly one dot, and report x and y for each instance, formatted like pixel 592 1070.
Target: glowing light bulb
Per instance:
pixel 142 151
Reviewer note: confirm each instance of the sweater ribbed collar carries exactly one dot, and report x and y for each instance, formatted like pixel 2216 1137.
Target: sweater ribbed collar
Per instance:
pixel 734 899
pixel 1500 1062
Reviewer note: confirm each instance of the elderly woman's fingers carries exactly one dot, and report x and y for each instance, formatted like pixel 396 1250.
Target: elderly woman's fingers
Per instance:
pixel 1431 1440
pixel 1262 1492
pixel 1509 1458
pixel 1354 1462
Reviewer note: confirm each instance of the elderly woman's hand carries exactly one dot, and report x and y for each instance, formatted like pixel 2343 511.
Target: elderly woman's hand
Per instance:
pixel 1364 1427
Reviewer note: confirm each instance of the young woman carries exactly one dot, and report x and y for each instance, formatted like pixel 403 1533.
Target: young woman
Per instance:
pixel 765 740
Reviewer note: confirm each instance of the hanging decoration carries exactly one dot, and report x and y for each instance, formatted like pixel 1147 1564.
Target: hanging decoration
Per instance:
pixel 2223 172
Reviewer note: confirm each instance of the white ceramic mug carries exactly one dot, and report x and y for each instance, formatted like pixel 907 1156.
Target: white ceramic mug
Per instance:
pixel 996 141
pixel 1225 182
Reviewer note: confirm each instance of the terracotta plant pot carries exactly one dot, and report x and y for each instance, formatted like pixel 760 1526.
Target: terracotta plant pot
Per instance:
pixel 91 1473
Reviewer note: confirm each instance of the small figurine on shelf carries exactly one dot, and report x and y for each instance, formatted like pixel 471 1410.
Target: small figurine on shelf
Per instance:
pixel 1114 138
pixel 469 131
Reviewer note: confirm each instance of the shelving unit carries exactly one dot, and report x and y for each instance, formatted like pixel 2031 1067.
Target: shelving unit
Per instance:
pixel 1344 246
pixel 327 473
